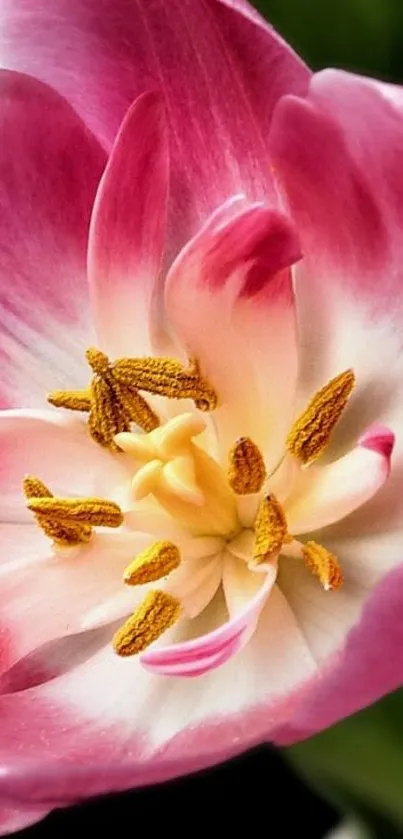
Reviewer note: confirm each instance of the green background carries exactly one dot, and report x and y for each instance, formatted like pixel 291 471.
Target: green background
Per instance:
pixel 361 35
pixel 358 764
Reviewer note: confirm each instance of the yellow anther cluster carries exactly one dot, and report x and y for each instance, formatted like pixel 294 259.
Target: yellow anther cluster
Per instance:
pixel 113 399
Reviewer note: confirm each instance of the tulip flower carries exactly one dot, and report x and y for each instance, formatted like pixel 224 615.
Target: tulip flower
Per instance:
pixel 200 384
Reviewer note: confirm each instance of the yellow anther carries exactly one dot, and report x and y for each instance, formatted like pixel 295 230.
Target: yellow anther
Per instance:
pixel 311 432
pixel 62 533
pixel 324 565
pixel 157 612
pixel 270 530
pixel 98 361
pixel 69 521
pixel 92 511
pixel 246 471
pixel 34 488
pixel 74 400
pixel 166 377
pixel 152 564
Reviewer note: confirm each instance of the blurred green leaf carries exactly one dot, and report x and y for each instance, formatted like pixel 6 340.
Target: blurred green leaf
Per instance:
pixel 360 35
pixel 358 764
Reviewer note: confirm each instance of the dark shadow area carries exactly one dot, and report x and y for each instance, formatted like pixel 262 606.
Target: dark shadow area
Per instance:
pixel 258 791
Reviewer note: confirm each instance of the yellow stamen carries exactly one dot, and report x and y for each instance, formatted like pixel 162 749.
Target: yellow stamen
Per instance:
pixel 270 530
pixel 157 612
pixel 62 533
pixel 166 377
pixel 74 400
pixel 246 471
pixel 311 432
pixel 69 521
pixel 152 564
pixel 324 565
pixel 34 488
pixel 91 511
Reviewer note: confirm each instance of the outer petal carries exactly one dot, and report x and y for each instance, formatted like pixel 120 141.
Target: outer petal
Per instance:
pixel 127 232
pixel 362 671
pixel 101 55
pixel 110 724
pixel 326 494
pixel 15 817
pixel 344 187
pixel 49 169
pixel 229 298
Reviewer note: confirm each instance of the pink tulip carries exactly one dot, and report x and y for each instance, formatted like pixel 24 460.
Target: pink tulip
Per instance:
pixel 175 185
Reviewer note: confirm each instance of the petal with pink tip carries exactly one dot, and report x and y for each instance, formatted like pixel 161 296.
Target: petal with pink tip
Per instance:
pixel 127 232
pixel 325 494
pixel 344 188
pixel 192 658
pixel 102 55
pixel 50 166
pixel 230 300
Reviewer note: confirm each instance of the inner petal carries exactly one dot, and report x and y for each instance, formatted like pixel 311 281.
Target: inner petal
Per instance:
pixel 324 494
pixel 230 300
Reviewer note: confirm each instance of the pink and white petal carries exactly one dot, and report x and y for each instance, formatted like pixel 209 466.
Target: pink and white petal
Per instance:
pixel 102 55
pixel 359 672
pixel 202 654
pixel 326 494
pixel 127 233
pixel 50 166
pixel 230 300
pixel 56 448
pixel 64 592
pixel 344 188
pixel 152 728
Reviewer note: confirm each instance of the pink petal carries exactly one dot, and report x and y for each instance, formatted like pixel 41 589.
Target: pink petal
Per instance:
pixel 14 816
pixel 102 55
pixel 49 169
pixel 326 494
pixel 109 724
pixel 230 300
pixel 344 187
pixel 127 232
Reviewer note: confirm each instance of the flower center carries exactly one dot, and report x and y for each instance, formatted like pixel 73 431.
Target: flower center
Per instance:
pixel 175 472
pixel 183 478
